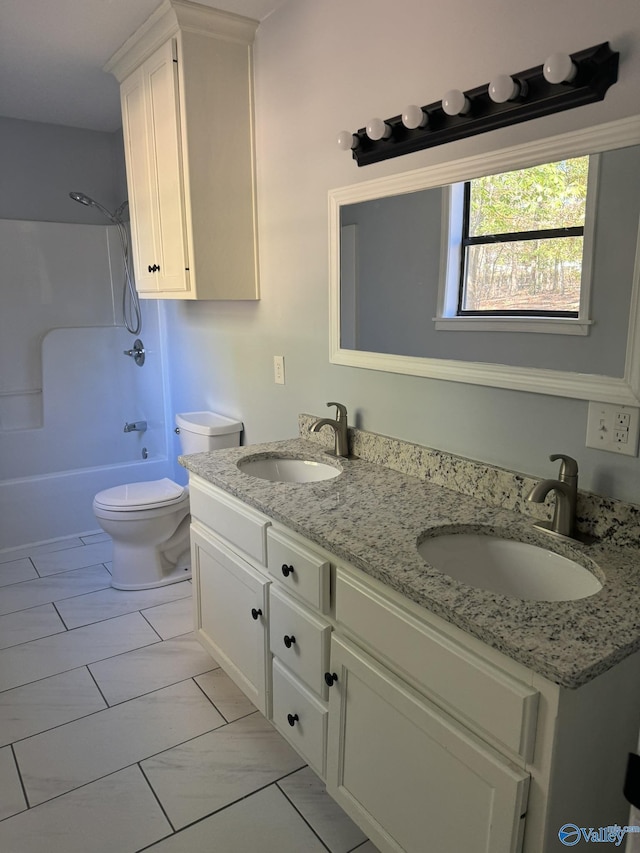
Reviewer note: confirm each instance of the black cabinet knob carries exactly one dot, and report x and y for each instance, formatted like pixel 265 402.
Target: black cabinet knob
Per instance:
pixel 256 613
pixel 289 640
pixel 287 570
pixel 154 268
pixel 292 719
pixel 330 678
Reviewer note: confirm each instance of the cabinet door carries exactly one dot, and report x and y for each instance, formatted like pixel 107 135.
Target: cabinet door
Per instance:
pixel 137 151
pixel 151 127
pixel 409 776
pixel 163 121
pixel 231 615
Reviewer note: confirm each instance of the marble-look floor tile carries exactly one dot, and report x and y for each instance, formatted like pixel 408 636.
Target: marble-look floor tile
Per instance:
pixel 29 550
pixel 144 670
pixel 17 571
pixel 106 603
pixel 72 558
pixel 50 702
pixel 212 771
pixel 25 625
pixel 173 619
pixel 11 797
pixel 309 795
pixel 262 823
pixel 20 596
pixel 60 760
pixel 117 814
pixel 225 695
pixel 51 655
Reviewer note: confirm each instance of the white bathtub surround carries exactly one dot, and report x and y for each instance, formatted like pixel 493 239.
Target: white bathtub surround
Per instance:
pixel 101 727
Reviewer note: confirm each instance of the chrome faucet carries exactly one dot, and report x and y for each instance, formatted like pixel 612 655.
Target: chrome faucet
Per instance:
pixel 566 489
pixel 339 426
pixel 135 426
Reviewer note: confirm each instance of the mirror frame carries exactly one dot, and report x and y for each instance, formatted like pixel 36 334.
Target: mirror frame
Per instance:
pixel 623 390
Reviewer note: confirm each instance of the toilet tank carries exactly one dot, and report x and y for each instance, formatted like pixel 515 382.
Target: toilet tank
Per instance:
pixel 200 431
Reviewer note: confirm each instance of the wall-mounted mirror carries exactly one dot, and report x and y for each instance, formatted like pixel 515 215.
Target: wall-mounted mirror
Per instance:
pixel 394 252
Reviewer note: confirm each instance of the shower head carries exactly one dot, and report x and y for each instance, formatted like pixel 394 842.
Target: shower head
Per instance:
pixel 85 199
pixel 81 197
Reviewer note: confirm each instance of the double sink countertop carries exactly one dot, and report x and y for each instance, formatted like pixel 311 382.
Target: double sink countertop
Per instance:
pixel 373 517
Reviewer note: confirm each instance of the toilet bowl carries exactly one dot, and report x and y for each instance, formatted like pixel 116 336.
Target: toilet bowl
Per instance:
pixel 149 521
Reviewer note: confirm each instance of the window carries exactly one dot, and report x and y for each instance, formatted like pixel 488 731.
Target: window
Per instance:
pixel 518 246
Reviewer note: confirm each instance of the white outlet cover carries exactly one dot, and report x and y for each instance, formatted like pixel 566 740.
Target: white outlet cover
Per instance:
pixel 604 432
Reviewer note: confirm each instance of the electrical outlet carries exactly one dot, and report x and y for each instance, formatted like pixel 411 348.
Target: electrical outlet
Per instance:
pixel 278 369
pixel 613 427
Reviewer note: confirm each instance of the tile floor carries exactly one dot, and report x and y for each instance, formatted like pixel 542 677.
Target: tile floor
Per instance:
pixel 118 733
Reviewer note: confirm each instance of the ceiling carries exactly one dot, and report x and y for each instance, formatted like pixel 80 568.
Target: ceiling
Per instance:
pixel 52 53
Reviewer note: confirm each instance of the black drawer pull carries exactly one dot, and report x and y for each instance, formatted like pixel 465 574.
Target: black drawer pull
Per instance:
pixel 330 678
pixel 289 640
pixel 256 613
pixel 292 719
pixel 287 570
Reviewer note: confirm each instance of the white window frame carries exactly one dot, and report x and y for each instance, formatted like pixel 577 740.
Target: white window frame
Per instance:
pixel 447 318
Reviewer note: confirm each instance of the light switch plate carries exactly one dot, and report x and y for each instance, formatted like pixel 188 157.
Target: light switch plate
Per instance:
pixel 278 369
pixel 613 427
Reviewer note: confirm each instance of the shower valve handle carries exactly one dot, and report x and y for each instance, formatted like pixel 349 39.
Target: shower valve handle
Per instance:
pixel 137 352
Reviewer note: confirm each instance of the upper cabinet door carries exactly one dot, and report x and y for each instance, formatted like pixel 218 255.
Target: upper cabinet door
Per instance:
pixel 136 149
pixel 151 123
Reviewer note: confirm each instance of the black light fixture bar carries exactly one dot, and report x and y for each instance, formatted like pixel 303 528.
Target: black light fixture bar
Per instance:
pixel 596 71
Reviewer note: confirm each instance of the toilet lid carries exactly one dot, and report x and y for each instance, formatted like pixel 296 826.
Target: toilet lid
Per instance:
pixel 141 495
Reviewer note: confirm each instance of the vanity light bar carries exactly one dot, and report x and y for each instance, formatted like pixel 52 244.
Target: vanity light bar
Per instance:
pixel 564 81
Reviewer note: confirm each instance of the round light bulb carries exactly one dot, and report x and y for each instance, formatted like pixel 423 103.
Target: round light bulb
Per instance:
pixel 414 116
pixel 455 103
pixel 378 129
pixel 503 88
pixel 347 141
pixel 559 68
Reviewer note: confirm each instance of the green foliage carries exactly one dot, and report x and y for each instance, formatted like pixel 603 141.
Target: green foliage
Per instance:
pixel 541 274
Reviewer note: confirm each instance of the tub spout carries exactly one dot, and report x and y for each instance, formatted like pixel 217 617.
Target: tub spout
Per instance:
pixel 135 426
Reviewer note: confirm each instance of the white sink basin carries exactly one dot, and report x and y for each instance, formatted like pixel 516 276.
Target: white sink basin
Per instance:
pixel 508 567
pixel 281 470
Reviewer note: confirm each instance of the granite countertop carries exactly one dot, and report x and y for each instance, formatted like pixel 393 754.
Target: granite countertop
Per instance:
pixel 373 517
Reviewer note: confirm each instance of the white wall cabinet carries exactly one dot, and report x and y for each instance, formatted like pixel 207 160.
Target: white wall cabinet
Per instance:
pixel 429 739
pixel 187 111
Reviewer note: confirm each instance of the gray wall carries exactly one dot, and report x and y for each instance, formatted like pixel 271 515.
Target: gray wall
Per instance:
pixel 42 163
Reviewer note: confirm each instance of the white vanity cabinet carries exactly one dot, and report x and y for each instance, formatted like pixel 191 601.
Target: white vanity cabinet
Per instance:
pixel 187 111
pixel 432 741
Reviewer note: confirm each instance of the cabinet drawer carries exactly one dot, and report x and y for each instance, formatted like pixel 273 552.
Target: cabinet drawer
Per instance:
pixel 300 639
pixel 234 521
pixel 300 717
pixel 301 570
pixel 484 697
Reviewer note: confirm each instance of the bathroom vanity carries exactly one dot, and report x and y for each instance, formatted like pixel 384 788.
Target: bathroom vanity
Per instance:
pixel 442 717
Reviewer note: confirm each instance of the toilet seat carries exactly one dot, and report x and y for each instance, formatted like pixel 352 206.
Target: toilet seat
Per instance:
pixel 133 497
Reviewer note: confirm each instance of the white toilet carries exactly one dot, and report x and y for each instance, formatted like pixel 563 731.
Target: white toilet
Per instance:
pixel 149 522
